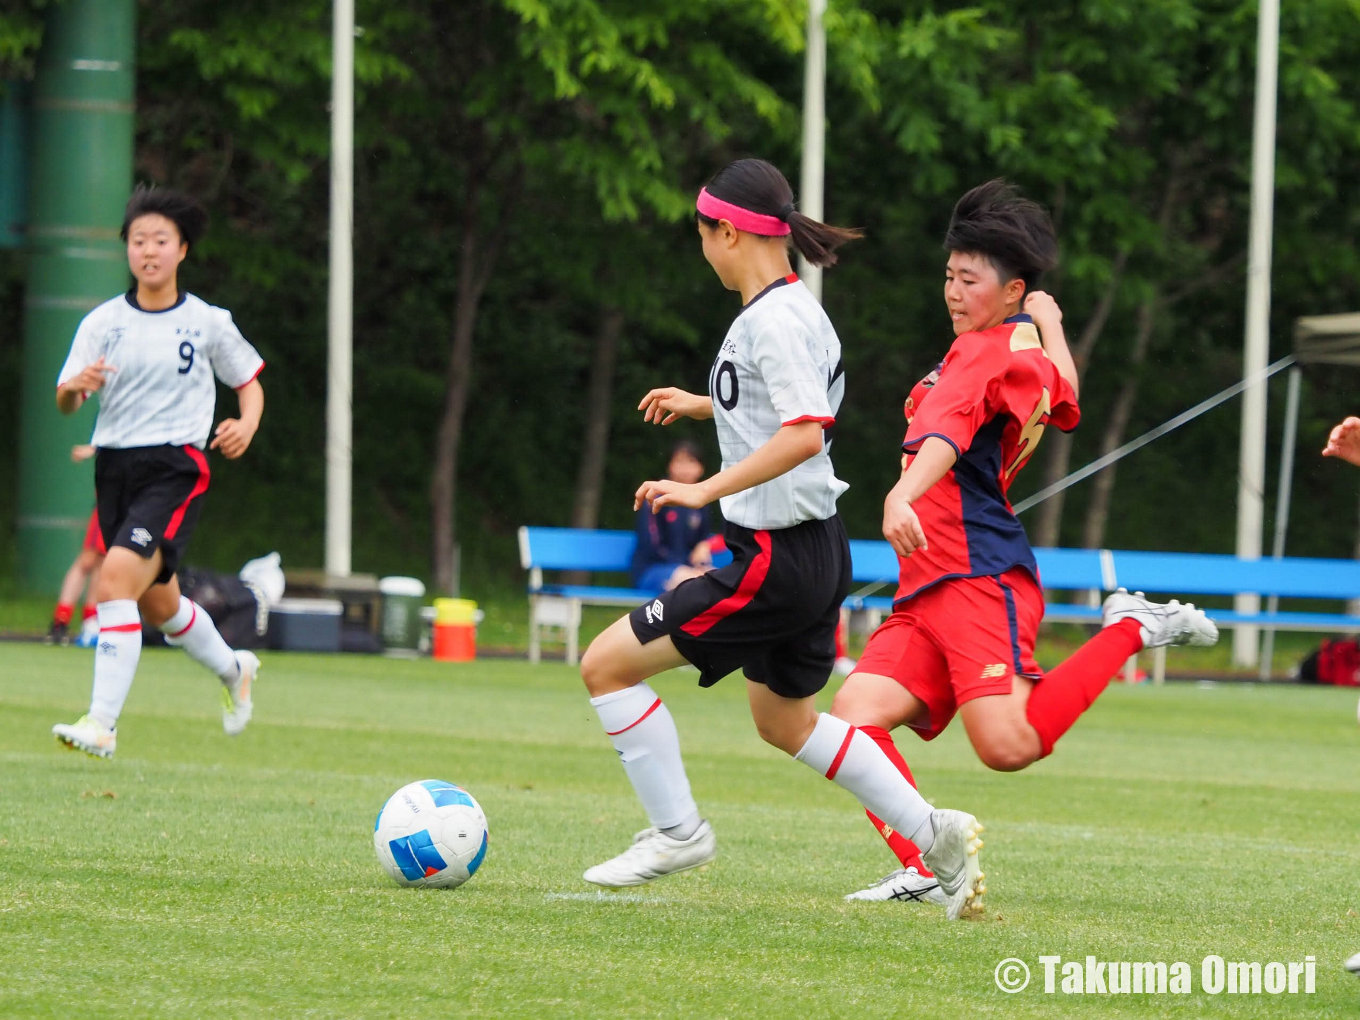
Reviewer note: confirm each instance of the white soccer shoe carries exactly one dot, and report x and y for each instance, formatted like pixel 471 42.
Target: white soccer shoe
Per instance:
pixel 87 735
pixel 953 857
pixel 1353 964
pixel 236 703
pixel 1171 623
pixel 906 885
pixel 654 854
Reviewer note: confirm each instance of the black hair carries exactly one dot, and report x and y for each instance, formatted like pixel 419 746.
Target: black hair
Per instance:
pixel 687 447
pixel 1011 232
pixel 189 218
pixel 759 186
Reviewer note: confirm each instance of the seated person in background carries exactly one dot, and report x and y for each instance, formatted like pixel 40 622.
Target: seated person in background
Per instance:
pixel 673 546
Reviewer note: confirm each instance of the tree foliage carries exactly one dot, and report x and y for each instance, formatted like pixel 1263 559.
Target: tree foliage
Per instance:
pixel 525 171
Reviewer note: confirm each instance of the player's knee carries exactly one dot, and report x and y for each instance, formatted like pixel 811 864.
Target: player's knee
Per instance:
pixel 603 672
pixel 1007 753
pixel 851 704
pixel 779 734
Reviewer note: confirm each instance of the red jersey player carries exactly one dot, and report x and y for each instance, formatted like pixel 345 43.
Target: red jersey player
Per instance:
pixel 962 632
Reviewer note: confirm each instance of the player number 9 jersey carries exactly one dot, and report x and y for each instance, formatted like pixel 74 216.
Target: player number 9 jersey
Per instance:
pixel 167 363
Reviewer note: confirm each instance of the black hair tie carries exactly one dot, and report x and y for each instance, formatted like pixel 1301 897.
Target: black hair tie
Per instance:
pixel 786 212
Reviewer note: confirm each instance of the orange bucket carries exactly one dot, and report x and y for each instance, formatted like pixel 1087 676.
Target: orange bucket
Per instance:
pixel 455 630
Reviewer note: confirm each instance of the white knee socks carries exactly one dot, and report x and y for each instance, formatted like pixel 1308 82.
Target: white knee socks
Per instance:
pixel 115 658
pixel 192 629
pixel 644 735
pixel 851 759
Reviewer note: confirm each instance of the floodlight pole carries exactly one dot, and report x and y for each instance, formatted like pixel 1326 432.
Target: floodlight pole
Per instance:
pixel 340 317
pixel 1251 479
pixel 814 134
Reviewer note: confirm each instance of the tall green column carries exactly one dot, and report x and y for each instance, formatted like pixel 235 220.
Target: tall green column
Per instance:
pixel 81 173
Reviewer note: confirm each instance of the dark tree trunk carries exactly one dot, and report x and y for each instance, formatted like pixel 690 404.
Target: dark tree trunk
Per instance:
pixel 1058 459
pixel 585 510
pixel 476 260
pixel 1116 425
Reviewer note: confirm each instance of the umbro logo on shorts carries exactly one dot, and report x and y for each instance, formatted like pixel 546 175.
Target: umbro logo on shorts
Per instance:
pixel 996 670
pixel 141 536
pixel 655 610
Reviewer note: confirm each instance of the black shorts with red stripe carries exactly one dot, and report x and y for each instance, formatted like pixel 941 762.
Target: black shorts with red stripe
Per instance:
pixel 772 612
pixel 149 498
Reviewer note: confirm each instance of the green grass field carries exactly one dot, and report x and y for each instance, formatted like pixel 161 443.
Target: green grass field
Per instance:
pixel 197 876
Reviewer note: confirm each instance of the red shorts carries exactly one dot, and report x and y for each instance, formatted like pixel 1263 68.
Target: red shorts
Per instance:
pixel 94 538
pixel 961 639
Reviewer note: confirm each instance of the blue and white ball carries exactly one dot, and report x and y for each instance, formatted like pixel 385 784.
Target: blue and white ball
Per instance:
pixel 431 834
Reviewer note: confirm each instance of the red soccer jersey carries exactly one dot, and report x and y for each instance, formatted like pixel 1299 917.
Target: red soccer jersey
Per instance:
pixel 990 399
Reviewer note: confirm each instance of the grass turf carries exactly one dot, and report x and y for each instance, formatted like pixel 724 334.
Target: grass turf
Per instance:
pixel 195 875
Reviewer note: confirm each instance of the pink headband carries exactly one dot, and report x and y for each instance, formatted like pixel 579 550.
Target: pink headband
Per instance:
pixel 743 219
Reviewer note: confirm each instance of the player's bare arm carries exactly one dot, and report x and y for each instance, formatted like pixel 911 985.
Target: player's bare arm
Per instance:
pixel 1344 441
pixel 72 393
pixel 786 449
pixel 674 404
pixel 901 527
pixel 233 436
pixel 1047 316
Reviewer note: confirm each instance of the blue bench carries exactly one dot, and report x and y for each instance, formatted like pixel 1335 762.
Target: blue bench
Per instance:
pixel 1090 572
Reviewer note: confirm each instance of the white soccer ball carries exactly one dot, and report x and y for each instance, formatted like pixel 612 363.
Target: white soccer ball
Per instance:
pixel 432 834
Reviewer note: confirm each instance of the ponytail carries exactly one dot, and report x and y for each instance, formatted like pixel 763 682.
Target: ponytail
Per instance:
pixel 817 242
pixel 754 196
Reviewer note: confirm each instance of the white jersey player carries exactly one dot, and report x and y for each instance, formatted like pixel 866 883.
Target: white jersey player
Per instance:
pixel 775 389
pixel 154 355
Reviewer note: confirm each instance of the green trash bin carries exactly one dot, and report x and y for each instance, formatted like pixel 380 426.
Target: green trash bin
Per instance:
pixel 402 598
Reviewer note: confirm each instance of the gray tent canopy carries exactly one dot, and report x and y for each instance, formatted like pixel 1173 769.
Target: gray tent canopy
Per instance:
pixel 1328 339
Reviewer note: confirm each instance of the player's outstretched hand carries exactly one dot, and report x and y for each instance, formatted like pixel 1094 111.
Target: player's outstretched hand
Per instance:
pixel 1041 307
pixel 664 405
pixel 1344 442
pixel 901 527
pixel 669 493
pixel 232 437
pixel 91 378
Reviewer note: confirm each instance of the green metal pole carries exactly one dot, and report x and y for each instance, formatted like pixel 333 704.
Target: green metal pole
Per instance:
pixel 81 173
pixel 13 163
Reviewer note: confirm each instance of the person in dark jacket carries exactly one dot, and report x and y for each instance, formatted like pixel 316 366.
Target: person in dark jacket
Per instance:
pixel 673 545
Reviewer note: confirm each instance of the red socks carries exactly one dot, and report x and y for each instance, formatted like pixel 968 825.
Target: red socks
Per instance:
pixel 1067 691
pixel 903 848
pixel 63 613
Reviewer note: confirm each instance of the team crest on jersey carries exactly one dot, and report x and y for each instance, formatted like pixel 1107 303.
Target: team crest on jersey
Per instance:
pixel 140 536
pixel 655 612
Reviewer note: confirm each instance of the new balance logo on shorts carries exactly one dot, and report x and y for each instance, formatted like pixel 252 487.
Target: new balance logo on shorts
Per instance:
pixel 655 611
pixel 141 536
pixel 996 670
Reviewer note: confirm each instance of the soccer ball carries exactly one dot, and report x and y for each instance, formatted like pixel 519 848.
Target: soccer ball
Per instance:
pixel 430 834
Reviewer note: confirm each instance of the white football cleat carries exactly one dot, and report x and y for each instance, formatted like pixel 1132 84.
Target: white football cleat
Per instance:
pixel 1171 623
pixel 236 704
pixel 907 885
pixel 953 857
pixel 87 735
pixel 654 854
pixel 1353 964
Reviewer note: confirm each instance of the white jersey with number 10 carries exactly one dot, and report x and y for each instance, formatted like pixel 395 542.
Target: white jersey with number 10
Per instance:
pixel 779 364
pixel 164 388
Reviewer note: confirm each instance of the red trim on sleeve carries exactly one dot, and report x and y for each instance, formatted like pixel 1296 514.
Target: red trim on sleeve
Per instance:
pixel 655 705
pixel 840 755
pixel 251 379
pixel 200 487
pixel 826 422
pixel 739 599
pixel 122 628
